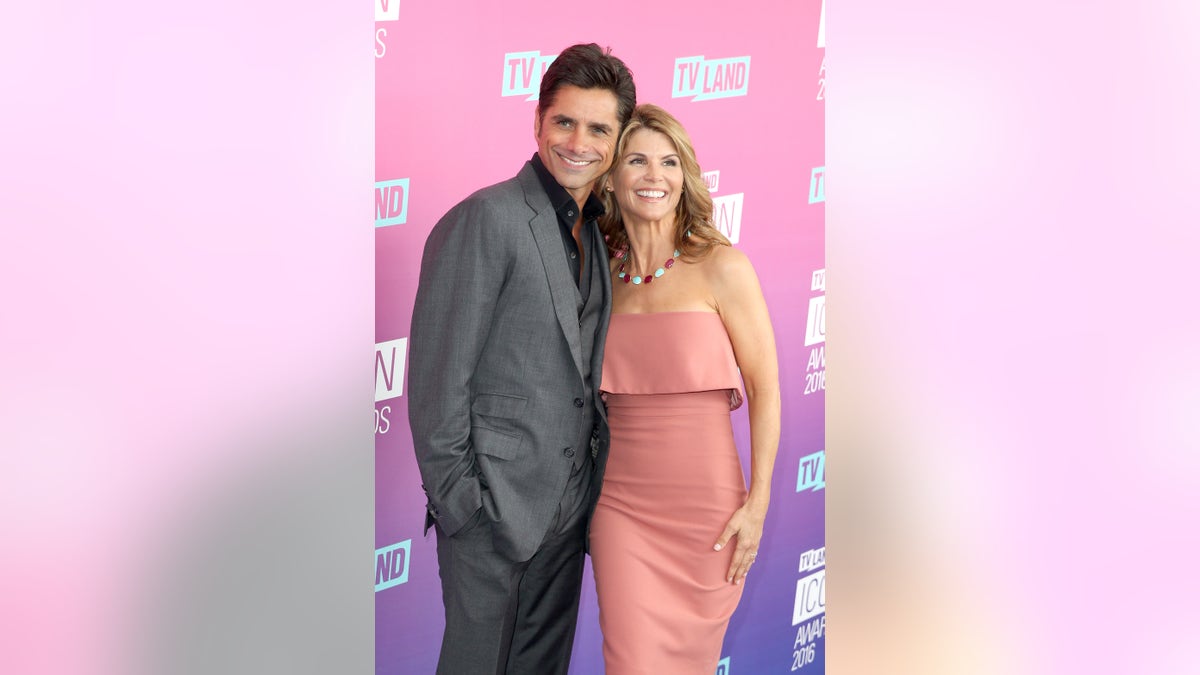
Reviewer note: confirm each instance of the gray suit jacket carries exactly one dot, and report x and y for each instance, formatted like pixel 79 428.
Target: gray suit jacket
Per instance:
pixel 495 365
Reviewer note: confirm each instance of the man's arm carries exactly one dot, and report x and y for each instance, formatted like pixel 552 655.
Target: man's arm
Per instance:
pixel 463 269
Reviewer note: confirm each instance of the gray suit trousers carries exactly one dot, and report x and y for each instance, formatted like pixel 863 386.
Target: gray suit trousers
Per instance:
pixel 513 618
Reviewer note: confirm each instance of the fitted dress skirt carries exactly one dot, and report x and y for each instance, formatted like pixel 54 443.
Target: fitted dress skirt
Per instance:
pixel 673 480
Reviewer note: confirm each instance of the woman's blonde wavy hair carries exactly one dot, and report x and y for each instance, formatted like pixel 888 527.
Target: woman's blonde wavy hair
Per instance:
pixel 695 209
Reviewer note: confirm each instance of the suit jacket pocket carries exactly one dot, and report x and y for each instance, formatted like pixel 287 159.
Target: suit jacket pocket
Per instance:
pixel 493 432
pixel 494 442
pixel 498 405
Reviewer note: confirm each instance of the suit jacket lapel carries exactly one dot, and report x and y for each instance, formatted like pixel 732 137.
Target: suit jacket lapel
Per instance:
pixel 545 228
pixel 604 287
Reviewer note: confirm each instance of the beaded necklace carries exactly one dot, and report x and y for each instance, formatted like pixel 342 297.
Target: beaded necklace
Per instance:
pixel 624 276
pixel 637 281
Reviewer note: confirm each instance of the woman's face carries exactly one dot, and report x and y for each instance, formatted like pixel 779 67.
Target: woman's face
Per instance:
pixel 648 181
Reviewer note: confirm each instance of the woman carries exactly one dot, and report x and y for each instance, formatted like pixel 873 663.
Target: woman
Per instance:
pixel 675 530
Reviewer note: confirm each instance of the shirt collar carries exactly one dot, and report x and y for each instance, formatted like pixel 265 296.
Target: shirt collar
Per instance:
pixel 562 200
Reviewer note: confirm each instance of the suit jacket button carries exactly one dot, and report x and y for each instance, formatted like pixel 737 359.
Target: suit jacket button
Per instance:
pixel 578 403
pixel 569 452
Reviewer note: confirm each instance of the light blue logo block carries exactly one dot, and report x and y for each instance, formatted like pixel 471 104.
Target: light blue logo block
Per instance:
pixel 812 472
pixel 391 565
pixel 816 186
pixel 523 73
pixel 391 202
pixel 706 79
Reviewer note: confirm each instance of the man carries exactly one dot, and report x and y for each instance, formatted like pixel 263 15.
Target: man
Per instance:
pixel 507 338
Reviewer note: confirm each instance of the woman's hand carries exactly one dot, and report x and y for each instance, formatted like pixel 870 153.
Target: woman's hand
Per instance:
pixel 747 524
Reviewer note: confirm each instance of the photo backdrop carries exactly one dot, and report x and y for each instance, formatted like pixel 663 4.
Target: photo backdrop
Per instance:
pixel 456 88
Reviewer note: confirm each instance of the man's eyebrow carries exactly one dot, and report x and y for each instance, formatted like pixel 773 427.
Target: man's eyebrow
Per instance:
pixel 560 117
pixel 601 126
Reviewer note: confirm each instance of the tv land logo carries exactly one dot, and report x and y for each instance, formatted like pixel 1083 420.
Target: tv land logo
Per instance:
pixel 706 79
pixel 723 667
pixel 816 185
pixel 391 202
pixel 385 10
pixel 808 612
pixel 391 565
pixel 523 73
pixel 812 559
pixel 811 476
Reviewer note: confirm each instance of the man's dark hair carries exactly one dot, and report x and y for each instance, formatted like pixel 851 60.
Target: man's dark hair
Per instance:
pixel 588 67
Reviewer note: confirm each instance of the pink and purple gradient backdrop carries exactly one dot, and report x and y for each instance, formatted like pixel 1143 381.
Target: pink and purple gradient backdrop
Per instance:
pixel 474 136
pixel 1013 373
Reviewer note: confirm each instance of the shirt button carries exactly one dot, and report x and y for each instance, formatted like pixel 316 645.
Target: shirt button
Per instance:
pixel 578 403
pixel 571 214
pixel 568 452
pixel 573 256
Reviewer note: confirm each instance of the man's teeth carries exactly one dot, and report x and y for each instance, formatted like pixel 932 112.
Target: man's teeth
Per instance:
pixel 652 194
pixel 574 163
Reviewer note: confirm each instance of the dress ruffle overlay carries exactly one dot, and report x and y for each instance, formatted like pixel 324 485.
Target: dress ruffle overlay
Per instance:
pixel 673 480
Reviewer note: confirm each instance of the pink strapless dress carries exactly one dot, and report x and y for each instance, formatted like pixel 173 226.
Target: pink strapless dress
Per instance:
pixel 672 482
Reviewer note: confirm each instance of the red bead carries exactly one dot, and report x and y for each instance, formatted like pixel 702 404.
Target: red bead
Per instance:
pixel 628 278
pixel 669 264
pixel 648 278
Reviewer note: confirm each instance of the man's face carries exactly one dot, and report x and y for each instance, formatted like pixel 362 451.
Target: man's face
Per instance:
pixel 576 136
